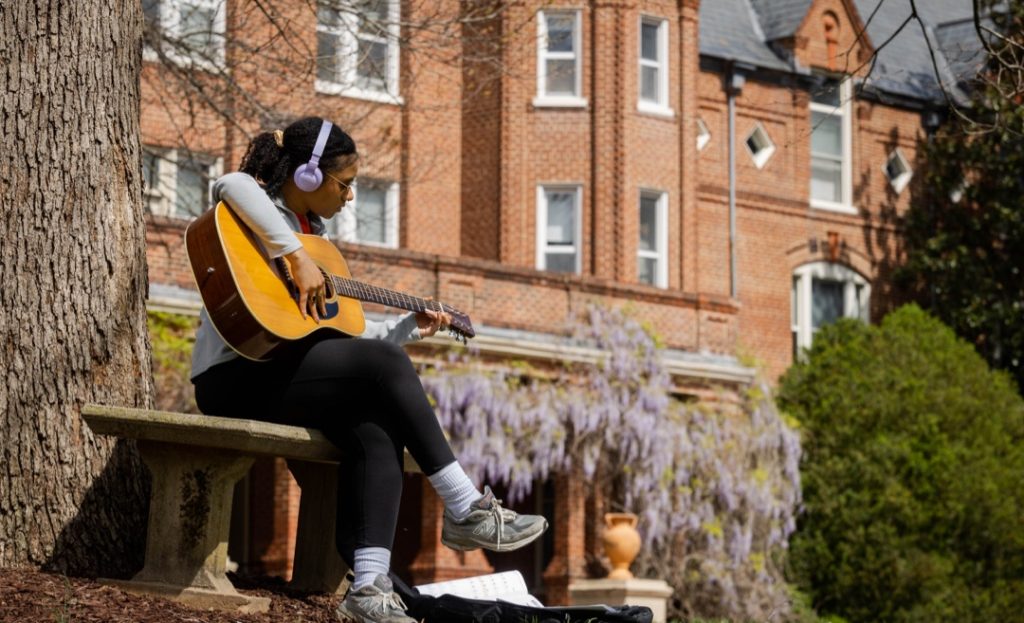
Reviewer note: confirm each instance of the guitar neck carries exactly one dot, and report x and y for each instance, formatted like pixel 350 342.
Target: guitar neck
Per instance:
pixel 373 294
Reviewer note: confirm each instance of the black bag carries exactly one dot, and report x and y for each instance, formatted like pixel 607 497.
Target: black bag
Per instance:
pixel 452 609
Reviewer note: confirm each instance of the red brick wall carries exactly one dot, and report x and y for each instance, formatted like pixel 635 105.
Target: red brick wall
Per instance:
pixel 480 136
pixel 775 224
pixel 470 170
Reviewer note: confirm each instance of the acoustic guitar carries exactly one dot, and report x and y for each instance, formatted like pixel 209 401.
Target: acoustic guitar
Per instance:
pixel 253 301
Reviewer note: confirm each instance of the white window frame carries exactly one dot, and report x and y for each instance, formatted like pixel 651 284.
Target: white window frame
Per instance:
pixel 845 111
pixel 660 254
pixel 660 106
pixel 543 99
pixel 703 134
pixel 763 155
pixel 162 201
pixel 348 57
pixel 802 292
pixel 543 248
pixel 169 16
pixel 899 182
pixel 346 225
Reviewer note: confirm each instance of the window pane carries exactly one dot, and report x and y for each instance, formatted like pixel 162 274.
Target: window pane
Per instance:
pixel 328 16
pixel 372 67
pixel 560 29
pixel 150 171
pixel 560 262
pixel 649 83
pixel 827 301
pixel 826 134
pixel 793 298
pixel 327 66
pixel 826 180
pixel 827 94
pixel 373 13
pixel 649 41
pixel 648 223
pixel 858 311
pixel 197 28
pixel 561 225
pixel 561 77
pixel 191 186
pixel 371 215
pixel 648 270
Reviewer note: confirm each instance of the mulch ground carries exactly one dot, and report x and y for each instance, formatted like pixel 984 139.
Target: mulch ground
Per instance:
pixel 30 595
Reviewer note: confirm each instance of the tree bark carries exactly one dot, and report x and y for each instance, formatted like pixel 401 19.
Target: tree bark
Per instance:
pixel 72 283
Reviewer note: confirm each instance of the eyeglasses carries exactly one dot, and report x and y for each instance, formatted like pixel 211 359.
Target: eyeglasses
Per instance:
pixel 344 187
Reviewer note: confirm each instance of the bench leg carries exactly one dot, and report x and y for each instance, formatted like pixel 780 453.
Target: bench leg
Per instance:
pixel 189 519
pixel 317 567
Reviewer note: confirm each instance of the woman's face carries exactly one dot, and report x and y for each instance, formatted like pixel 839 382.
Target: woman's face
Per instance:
pixel 334 192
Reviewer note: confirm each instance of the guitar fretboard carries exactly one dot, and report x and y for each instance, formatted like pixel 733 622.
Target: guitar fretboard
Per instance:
pixel 373 294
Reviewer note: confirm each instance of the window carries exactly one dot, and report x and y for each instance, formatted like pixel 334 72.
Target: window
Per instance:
pixel 372 218
pixel 831 176
pixel 558 228
pixel 898 171
pixel 703 135
pixel 178 182
pixel 652 261
pixel 195 26
pixel 760 145
pixel 559 75
pixel 357 49
pixel 654 66
pixel 822 293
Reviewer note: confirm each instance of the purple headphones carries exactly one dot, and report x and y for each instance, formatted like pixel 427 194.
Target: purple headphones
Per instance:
pixel 308 177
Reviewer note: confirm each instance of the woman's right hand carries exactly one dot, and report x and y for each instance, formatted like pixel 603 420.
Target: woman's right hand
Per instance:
pixel 310 283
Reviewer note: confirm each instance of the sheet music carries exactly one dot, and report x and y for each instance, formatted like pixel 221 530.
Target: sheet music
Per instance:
pixel 507 586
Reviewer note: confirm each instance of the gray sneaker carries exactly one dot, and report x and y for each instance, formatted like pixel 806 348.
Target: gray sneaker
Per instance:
pixel 492 527
pixel 375 603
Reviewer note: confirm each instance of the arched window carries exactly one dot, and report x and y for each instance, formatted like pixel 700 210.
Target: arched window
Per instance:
pixel 824 292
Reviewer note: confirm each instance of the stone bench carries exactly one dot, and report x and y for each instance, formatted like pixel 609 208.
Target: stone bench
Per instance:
pixel 195 461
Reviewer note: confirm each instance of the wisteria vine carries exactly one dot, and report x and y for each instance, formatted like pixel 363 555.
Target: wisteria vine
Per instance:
pixel 716 484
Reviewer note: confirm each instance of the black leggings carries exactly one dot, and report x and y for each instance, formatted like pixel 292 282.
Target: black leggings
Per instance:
pixel 365 395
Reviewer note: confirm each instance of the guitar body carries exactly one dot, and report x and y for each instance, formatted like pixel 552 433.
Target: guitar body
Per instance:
pixel 246 294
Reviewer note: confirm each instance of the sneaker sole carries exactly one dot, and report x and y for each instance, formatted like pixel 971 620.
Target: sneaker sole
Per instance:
pixel 504 547
pixel 345 617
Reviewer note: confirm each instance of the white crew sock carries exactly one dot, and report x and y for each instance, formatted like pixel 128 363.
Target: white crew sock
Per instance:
pixel 368 564
pixel 455 488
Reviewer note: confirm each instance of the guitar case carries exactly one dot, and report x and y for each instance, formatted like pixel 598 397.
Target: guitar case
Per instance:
pixel 452 609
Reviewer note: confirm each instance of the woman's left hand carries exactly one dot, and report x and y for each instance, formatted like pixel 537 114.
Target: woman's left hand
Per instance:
pixel 430 321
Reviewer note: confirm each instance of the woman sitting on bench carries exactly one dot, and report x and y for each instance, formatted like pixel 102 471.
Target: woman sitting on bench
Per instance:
pixel 364 394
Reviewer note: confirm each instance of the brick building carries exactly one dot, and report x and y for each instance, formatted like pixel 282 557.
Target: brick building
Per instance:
pixel 731 169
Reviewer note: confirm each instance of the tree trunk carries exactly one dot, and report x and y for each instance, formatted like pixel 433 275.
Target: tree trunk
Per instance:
pixel 72 283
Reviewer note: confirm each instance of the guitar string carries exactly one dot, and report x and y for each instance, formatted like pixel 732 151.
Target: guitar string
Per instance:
pixel 354 289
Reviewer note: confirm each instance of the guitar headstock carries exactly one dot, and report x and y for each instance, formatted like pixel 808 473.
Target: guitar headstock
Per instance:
pixel 461 327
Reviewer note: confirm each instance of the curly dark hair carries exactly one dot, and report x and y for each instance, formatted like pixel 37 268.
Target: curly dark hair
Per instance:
pixel 272 164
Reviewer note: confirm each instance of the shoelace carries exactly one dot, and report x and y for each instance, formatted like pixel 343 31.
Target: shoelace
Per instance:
pixel 501 515
pixel 390 601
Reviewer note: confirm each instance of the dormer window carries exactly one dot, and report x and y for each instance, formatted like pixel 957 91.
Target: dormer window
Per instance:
pixel 831 171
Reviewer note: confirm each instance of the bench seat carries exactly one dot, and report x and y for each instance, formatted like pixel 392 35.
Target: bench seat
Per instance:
pixel 195 461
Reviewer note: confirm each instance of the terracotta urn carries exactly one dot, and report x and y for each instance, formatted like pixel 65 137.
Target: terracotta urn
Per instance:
pixel 621 543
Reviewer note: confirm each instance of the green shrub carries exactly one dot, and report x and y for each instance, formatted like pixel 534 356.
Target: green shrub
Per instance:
pixel 172 337
pixel 913 475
